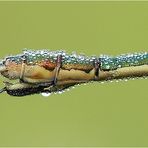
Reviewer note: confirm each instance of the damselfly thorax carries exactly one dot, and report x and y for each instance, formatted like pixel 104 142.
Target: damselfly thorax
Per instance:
pixel 39 71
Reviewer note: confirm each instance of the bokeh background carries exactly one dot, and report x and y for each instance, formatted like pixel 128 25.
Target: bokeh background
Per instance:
pixel 109 114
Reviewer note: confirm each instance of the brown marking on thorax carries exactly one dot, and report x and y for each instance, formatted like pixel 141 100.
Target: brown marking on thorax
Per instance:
pixel 47 65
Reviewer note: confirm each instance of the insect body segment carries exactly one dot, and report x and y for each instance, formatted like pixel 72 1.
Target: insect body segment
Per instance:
pixel 51 71
pixel 124 60
pixel 44 71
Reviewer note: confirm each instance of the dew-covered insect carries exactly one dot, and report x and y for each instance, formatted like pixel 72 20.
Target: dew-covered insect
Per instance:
pixel 45 71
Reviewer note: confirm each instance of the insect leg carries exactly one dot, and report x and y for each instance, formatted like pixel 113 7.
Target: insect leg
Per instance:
pixel 23 69
pixel 97 68
pixel 53 87
pixel 59 64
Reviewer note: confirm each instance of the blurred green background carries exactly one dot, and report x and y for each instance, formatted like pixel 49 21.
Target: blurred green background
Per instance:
pixel 109 114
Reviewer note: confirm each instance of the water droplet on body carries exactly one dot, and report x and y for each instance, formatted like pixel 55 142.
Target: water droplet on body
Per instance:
pixel 45 94
pixel 60 92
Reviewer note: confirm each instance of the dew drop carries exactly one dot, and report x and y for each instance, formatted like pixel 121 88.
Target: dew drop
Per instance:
pixel 45 94
pixel 60 92
pixel 120 79
pixel 119 66
pixel 144 77
pixel 107 66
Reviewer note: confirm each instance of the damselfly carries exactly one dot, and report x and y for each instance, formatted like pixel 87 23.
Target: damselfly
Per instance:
pixel 45 71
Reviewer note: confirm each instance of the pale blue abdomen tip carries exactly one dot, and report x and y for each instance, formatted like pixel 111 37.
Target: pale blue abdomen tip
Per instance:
pixel 124 60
